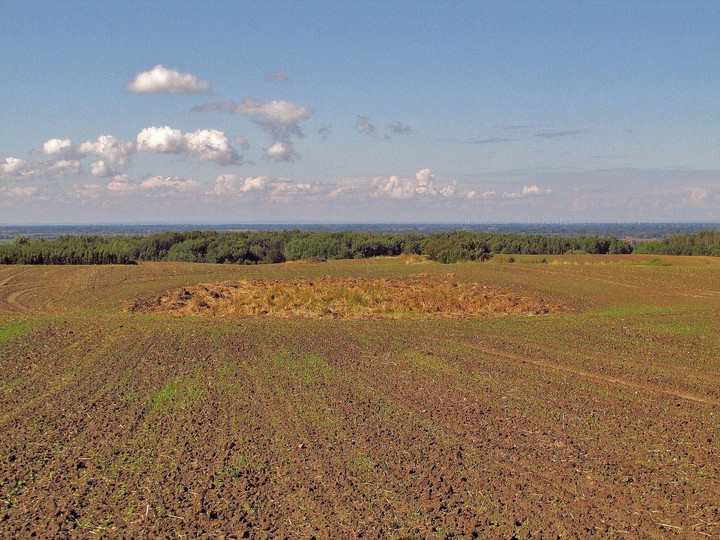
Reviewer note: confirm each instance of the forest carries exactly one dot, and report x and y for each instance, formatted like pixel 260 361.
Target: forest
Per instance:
pixel 702 243
pixel 280 246
pixel 288 245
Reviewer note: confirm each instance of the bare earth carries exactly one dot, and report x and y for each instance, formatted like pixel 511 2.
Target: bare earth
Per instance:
pixel 362 399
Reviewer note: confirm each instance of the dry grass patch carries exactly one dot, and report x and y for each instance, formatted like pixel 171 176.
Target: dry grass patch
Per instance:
pixel 343 298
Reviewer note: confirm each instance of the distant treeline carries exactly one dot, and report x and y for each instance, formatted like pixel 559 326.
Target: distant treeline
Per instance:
pixel 703 243
pixel 279 246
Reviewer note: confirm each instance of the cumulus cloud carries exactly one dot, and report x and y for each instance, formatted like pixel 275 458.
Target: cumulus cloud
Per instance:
pixel 108 147
pixel 395 188
pixel 287 190
pixel 278 117
pixel 61 167
pixel 25 191
pixel 698 196
pixel 281 151
pixel 230 184
pixel 399 128
pixel 211 145
pixel 363 125
pixel 534 190
pixel 171 183
pixel 423 185
pixel 203 144
pixel 100 169
pixel 12 166
pixel 56 146
pixel 279 190
pixel 161 80
pixel 162 140
pixel 281 119
pixel 276 77
pixel 88 191
pixel 120 183
pixel 527 191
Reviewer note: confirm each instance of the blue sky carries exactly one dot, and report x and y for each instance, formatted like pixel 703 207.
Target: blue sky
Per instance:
pixel 359 111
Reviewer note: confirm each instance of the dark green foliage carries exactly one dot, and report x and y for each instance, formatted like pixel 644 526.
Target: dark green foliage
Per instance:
pixel 703 243
pixel 278 246
pixel 68 250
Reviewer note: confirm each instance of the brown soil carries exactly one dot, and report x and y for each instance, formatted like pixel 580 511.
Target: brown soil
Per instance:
pixel 582 424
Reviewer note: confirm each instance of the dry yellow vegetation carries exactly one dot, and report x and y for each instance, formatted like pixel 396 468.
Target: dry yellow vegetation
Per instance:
pixel 343 298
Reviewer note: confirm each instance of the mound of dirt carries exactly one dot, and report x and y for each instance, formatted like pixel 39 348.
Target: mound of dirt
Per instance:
pixel 343 299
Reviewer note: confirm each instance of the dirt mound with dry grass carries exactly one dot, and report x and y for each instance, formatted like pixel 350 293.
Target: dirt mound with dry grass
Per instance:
pixel 343 299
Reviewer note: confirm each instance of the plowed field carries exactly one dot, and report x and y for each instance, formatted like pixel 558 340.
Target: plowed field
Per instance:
pixel 587 405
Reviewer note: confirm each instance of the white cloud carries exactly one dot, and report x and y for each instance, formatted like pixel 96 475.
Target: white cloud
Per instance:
pixel 203 144
pixel 426 184
pixel 56 146
pixel 211 145
pixel 527 191
pixel 61 167
pixel 161 80
pixel 287 190
pixel 698 197
pixel 161 139
pixel 101 169
pixel 88 191
pixel 281 112
pixel 174 183
pixel 250 184
pixel 13 166
pixel 281 151
pixel 395 188
pixel 230 184
pixel 109 148
pixel 26 191
pixel 423 185
pixel 120 183
pixel 19 168
pixel 281 119
pixel 274 116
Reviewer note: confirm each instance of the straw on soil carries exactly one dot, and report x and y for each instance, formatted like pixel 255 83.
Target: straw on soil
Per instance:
pixel 343 298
